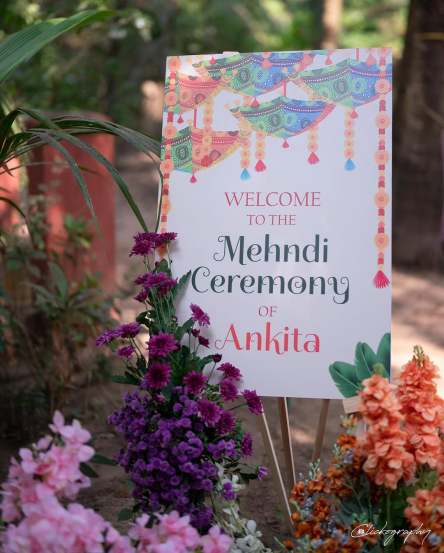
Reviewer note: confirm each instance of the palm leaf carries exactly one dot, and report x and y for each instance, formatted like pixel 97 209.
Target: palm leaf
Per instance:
pixel 24 44
pixel 66 128
pixel 12 204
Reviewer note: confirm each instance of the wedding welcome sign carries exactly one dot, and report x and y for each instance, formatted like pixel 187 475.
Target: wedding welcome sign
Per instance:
pixel 277 179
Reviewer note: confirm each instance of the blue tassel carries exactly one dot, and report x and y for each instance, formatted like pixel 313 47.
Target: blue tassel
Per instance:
pixel 245 175
pixel 349 165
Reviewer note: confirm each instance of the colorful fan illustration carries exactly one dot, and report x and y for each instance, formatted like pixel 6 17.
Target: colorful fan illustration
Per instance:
pixel 349 83
pixel 281 118
pixel 255 74
pixel 193 150
pixel 191 91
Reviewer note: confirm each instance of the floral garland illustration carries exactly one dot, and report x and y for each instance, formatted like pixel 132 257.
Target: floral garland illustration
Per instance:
pixel 348 84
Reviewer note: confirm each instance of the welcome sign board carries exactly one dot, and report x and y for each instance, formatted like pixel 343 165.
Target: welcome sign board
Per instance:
pixel 277 179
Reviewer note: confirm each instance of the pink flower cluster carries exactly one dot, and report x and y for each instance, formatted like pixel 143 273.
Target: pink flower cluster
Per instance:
pixel 37 521
pixel 174 534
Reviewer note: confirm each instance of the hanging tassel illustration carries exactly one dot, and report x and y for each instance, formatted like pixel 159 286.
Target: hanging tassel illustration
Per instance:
pixel 381 158
pixel 245 140
pixel 170 131
pixel 260 151
pixel 348 142
pixel 313 145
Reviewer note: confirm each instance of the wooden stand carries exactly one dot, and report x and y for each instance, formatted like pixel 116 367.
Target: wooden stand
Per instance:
pixel 286 440
pixel 275 470
pixel 320 432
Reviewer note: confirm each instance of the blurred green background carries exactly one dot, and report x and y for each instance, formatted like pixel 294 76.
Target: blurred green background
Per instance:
pixel 102 70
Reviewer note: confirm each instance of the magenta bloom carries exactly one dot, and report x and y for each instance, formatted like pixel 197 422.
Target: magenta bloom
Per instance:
pixel 156 281
pixel 230 371
pixel 226 423
pixel 199 316
pixel 105 338
pixel 262 472
pixel 203 341
pixel 228 390
pixel 125 352
pixel 247 445
pixel 146 242
pixel 160 345
pixel 195 382
pixel 158 376
pixel 209 411
pixel 128 330
pixel 254 403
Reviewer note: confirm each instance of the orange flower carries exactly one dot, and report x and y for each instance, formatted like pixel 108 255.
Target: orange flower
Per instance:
pixel 384 444
pixel 422 408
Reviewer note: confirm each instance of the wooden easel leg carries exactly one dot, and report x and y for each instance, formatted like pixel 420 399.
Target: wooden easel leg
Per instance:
pixel 320 432
pixel 286 440
pixel 275 470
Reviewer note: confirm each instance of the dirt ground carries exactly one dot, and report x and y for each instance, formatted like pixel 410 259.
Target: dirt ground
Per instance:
pixel 418 310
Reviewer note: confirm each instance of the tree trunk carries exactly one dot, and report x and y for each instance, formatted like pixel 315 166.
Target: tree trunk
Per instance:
pixel 419 119
pixel 331 16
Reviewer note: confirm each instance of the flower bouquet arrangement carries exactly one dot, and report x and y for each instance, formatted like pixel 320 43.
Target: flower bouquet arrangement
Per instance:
pixel 384 489
pixel 39 514
pixel 184 446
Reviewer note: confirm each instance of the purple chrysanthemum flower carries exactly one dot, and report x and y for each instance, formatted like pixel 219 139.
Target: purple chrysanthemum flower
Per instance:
pixel 228 491
pixel 254 403
pixel 228 390
pixel 160 282
pixel 141 296
pixel 203 341
pixel 262 472
pixel 105 338
pixel 217 357
pixel 247 445
pixel 125 351
pixel 230 371
pixel 146 242
pixel 158 376
pixel 194 381
pixel 160 345
pixel 209 411
pixel 165 237
pixel 127 330
pixel 199 316
pixel 226 423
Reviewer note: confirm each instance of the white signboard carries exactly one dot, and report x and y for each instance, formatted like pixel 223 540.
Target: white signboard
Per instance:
pixel 277 179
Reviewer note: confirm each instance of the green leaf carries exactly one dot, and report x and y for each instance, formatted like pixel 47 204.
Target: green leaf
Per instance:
pixel 12 204
pixel 345 378
pixel 363 368
pixel 103 460
pixel 88 471
pixel 59 278
pixel 124 515
pixel 23 45
pixel 124 379
pixel 383 352
pixel 182 330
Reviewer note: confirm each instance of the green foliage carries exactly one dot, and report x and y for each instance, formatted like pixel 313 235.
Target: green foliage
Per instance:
pixel 91 71
pixel 47 319
pixel 348 378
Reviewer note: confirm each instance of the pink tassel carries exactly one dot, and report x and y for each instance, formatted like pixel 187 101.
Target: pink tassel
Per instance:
pixel 193 178
pixel 180 120
pixel 313 158
pixel 285 144
pixel 254 103
pixel 380 280
pixel 260 166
